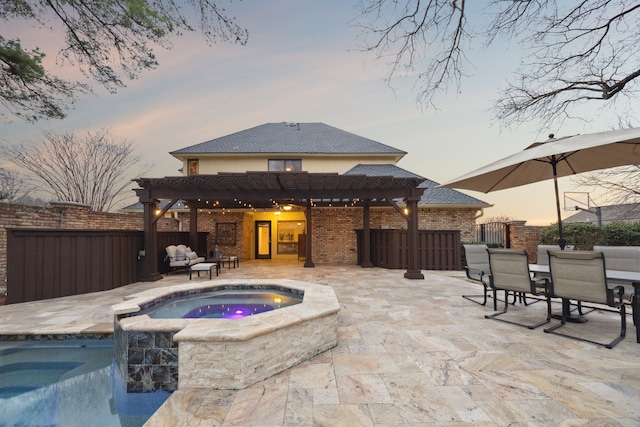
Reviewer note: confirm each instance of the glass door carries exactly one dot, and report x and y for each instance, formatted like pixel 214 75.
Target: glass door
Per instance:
pixel 263 239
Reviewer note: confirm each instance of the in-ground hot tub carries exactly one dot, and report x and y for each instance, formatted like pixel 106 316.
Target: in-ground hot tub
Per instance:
pixel 221 353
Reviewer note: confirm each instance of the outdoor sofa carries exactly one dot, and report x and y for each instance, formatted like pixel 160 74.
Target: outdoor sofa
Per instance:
pixel 181 256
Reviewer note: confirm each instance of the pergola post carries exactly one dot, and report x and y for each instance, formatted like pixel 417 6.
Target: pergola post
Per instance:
pixel 366 238
pixel 413 268
pixel 149 264
pixel 308 261
pixel 193 228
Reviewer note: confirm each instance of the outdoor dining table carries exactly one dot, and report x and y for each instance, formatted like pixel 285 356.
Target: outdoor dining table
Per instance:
pixel 632 277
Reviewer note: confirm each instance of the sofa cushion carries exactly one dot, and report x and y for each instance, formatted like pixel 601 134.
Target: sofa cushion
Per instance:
pixel 171 252
pixel 182 263
pixel 181 253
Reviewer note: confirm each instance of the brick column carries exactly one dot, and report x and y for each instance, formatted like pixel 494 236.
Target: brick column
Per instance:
pixel 525 237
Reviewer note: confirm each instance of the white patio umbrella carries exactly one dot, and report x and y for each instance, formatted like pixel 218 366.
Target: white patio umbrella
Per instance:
pixel 556 157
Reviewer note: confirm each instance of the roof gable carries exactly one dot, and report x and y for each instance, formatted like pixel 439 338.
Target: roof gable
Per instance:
pixel 291 138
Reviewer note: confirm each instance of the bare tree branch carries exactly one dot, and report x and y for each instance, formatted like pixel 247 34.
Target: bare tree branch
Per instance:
pixel 94 168
pixel 421 39
pixel 618 186
pixel 12 185
pixel 573 53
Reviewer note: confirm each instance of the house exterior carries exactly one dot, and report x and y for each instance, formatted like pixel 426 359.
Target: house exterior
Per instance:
pixel 253 229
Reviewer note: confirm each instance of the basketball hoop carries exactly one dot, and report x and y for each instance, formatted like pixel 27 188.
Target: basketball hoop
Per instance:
pixel 574 201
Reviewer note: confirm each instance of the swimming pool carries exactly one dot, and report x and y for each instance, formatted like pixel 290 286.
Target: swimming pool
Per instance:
pixel 68 383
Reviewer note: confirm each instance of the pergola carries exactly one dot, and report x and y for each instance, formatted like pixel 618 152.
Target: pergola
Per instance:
pixel 268 190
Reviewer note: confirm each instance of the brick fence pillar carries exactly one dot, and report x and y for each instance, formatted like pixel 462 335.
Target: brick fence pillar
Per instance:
pixel 525 237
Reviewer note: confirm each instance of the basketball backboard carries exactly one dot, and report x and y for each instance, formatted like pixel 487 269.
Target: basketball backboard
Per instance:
pixel 576 200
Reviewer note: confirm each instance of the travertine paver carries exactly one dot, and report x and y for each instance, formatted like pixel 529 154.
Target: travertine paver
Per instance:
pixel 410 352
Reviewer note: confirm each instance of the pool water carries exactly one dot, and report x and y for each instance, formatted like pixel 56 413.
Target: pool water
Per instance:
pixel 68 383
pixel 223 304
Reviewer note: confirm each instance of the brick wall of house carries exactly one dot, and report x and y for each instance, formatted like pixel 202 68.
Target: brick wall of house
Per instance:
pixel 334 238
pixel 429 219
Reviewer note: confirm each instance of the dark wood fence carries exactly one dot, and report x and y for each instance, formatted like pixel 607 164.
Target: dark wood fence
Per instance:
pixel 53 263
pixel 437 249
pixel 45 264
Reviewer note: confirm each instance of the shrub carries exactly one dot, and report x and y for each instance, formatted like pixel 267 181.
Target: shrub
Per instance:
pixel 622 234
pixel 585 235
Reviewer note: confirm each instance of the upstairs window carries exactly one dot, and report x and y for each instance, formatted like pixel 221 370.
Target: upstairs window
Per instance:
pixel 193 166
pixel 285 165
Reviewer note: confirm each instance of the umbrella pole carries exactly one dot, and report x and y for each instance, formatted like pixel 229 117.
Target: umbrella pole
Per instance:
pixel 561 241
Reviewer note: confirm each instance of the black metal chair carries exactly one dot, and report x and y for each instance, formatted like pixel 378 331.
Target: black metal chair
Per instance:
pixel 581 276
pixel 510 273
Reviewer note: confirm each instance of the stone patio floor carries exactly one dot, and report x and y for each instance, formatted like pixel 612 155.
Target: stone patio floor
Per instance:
pixel 409 353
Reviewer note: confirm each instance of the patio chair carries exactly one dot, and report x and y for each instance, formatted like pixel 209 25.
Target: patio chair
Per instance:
pixel 181 257
pixel 543 258
pixel 477 269
pixel 581 276
pixel 510 273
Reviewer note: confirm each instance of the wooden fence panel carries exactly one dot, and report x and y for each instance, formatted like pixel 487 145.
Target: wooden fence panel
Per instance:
pixel 437 249
pixel 440 250
pixel 45 264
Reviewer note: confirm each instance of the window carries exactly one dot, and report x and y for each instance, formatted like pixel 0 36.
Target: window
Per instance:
pixel 285 165
pixel 288 232
pixel 193 166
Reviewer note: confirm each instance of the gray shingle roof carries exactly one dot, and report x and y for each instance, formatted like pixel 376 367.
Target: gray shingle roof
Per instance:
pixel 292 138
pixel 625 213
pixel 433 195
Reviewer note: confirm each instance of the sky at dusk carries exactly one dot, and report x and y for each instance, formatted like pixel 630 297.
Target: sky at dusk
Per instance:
pixel 301 64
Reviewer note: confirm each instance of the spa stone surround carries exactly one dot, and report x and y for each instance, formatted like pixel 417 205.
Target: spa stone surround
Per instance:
pixel 155 354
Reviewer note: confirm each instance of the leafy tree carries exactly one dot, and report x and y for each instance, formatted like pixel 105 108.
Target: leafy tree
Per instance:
pixel 108 40
pixel 572 52
pixel 94 168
